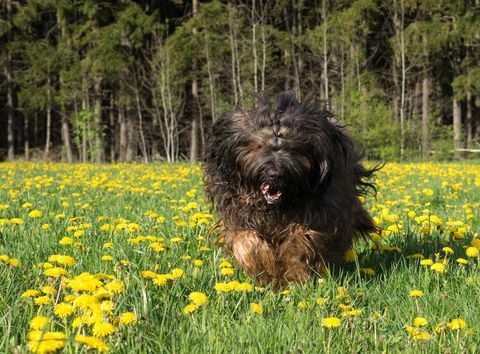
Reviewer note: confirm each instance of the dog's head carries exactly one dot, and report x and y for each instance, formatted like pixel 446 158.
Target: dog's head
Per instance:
pixel 279 153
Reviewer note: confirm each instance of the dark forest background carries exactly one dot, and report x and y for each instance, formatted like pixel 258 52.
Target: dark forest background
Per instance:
pixel 87 80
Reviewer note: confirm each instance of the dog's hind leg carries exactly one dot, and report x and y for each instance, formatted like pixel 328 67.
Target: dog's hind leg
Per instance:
pixel 252 253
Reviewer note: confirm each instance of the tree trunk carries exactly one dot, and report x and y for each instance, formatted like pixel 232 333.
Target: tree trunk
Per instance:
pixel 9 87
pixel 254 48
pixel 97 112
pixel 131 143
pixel 112 128
pixel 425 116
pixel 194 123
pixel 325 52
pixel 232 50
pixel 26 137
pixel 457 128
pixel 469 121
pixel 46 151
pixel 123 135
pixel 66 136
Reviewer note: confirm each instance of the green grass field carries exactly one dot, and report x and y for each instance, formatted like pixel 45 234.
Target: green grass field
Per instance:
pixel 117 257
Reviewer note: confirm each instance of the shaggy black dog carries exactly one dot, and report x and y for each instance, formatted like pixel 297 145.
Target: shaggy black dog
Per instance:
pixel 285 182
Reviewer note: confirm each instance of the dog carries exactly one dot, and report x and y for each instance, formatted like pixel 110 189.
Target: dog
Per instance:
pixel 286 183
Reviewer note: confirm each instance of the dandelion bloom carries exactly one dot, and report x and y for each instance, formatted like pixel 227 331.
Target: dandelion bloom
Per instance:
pixel 227 271
pixel 457 323
pixel 63 310
pixel 438 267
pixel 39 322
pixel 331 322
pixel 418 334
pixel 462 261
pixel 352 313
pixel 35 214
pixel 42 300
pixel 426 262
pixel 46 342
pixel 420 322
pixel 447 250
pixel 198 298
pixel 416 293
pixel 350 256
pixel 127 318
pixel 92 342
pixel 472 252
pixel 30 293
pixel 190 308
pixel 102 329
pixel 256 308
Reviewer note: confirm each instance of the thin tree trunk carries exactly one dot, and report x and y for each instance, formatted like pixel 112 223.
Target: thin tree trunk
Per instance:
pixel 469 121
pixel 122 134
pixel 264 48
pixel 254 48
pixel 66 136
pixel 84 128
pixel 194 123
pixel 143 145
pixel 211 84
pixel 325 51
pixel 232 50
pixel 9 86
pixel 98 145
pixel 49 121
pixel 131 143
pixel 112 128
pixel 425 116
pixel 457 128
pixel 26 137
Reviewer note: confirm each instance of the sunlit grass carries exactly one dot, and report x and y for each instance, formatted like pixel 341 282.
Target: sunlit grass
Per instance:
pixel 117 257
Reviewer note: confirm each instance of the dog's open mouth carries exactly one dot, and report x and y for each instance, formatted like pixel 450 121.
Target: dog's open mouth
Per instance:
pixel 270 193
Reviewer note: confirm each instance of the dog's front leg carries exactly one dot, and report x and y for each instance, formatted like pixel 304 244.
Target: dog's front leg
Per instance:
pixel 252 253
pixel 300 256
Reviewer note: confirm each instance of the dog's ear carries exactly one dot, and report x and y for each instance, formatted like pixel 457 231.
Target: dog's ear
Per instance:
pixel 285 100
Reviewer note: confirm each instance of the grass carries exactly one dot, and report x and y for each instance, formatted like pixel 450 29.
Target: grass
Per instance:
pixel 154 217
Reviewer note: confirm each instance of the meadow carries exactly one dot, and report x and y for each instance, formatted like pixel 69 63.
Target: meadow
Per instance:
pixel 118 258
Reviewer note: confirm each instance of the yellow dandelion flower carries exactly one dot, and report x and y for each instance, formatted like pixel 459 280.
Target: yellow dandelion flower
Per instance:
pixel 438 267
pixel 35 214
pixel 190 308
pixel 92 342
pixel 420 322
pixel 102 329
pixel 331 322
pixel 30 293
pixel 198 298
pixel 472 252
pixel 46 342
pixel 63 310
pixel 457 323
pixel 42 300
pixel 426 262
pixel 462 261
pixel 448 250
pixel 227 271
pixel 416 293
pixel 115 287
pixel 39 322
pixel 197 262
pixel 256 308
pixel 127 318
pixel 177 273
pixel 350 256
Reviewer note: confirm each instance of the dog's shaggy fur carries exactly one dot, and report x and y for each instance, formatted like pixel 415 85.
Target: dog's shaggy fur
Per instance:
pixel 286 183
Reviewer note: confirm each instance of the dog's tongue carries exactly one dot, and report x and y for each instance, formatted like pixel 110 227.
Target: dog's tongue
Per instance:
pixel 270 197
